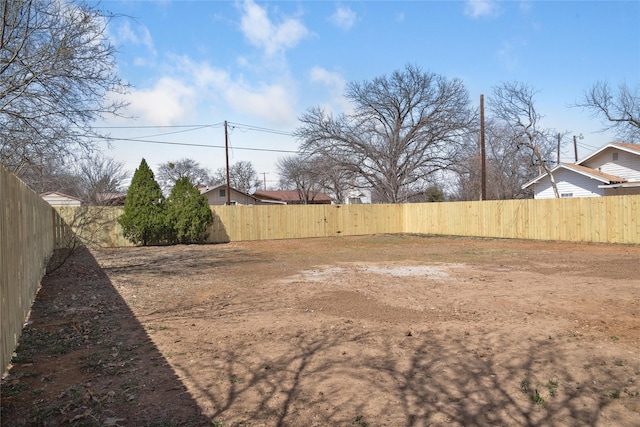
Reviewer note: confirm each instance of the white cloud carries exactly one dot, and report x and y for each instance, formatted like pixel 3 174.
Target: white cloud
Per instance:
pixel 270 101
pixel 169 102
pixel 343 18
pixel 335 84
pixel 261 32
pixel 141 37
pixel 481 8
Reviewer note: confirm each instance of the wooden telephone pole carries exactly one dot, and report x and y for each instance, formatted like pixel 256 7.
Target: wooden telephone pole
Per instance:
pixel 483 155
pixel 226 149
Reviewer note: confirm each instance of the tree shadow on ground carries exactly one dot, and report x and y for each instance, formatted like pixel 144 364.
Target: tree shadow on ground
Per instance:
pixel 333 379
pixel 84 359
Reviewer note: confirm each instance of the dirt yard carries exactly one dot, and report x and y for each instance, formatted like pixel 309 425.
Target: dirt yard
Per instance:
pixel 355 331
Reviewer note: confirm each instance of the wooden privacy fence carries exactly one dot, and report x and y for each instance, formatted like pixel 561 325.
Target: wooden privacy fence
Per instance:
pixel 614 219
pixel 29 228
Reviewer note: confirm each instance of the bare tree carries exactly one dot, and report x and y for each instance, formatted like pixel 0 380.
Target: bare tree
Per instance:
pixel 333 178
pixel 102 179
pixel 621 109
pixel 403 128
pixel 169 173
pixel 300 174
pixel 50 174
pixel 513 108
pixel 242 176
pixel 508 167
pixel 57 75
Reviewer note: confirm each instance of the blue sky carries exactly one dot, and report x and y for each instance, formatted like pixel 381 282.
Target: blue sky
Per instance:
pixel 262 64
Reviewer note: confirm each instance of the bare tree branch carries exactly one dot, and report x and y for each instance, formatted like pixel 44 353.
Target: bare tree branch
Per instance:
pixel 57 76
pixel 404 128
pixel 621 109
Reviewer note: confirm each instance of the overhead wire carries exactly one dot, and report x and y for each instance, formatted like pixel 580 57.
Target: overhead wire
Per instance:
pixel 190 128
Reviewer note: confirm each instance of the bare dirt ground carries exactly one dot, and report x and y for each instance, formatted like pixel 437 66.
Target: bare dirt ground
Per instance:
pixel 355 331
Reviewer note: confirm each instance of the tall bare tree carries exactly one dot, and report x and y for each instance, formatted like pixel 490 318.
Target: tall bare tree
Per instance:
pixel 299 174
pixel 242 176
pixel 512 105
pixel 508 167
pixel 57 75
pixel 102 179
pixel 169 173
pixel 620 108
pixel 403 128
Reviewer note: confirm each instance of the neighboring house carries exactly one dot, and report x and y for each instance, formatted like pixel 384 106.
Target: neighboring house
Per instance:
pixel 292 197
pixel 357 197
pixel 55 198
pixel 610 171
pixel 217 195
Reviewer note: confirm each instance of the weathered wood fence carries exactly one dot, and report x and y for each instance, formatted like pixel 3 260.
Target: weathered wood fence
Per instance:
pixel 614 219
pixel 28 231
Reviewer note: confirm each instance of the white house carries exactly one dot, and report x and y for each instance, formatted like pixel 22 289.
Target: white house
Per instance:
pixel 612 170
pixel 217 195
pixel 56 198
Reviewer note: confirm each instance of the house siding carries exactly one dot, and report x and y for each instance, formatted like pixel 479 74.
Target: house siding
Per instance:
pixel 627 165
pixel 568 182
pixel 59 200
pixel 214 198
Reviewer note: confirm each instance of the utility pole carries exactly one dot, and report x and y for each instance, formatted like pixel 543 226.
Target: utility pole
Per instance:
pixel 558 161
pixel 226 149
pixel 264 180
pixel 575 147
pixel 483 151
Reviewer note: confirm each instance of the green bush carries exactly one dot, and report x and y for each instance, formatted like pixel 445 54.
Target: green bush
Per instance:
pixel 144 218
pixel 188 213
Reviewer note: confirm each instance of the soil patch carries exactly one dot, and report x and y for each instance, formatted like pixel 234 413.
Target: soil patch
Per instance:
pixel 355 331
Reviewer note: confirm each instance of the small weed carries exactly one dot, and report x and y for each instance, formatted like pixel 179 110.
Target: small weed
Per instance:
pixel 31 374
pixel 615 394
pixel 131 384
pixel 552 385
pixel 524 386
pixel 217 423
pixel 537 398
pixel 614 338
pixel 359 421
pixel 20 359
pixel 618 362
pixel 13 389
pixel 235 380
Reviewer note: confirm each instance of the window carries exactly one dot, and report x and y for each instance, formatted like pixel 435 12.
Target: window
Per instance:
pixel 223 193
pixel 566 195
pixel 615 157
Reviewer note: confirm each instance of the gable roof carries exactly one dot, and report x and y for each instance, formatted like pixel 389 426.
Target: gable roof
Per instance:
pixel 57 193
pixel 582 170
pixel 206 189
pixel 630 148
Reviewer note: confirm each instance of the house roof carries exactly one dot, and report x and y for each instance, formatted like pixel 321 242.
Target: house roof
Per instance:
pixel 582 170
pixel 290 195
pixel 630 148
pixel 206 189
pixel 48 193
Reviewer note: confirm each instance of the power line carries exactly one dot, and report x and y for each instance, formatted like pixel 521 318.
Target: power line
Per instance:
pixel 215 125
pixel 108 138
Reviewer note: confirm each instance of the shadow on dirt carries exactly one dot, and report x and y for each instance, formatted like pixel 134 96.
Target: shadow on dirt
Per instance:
pixel 336 381
pixel 84 359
